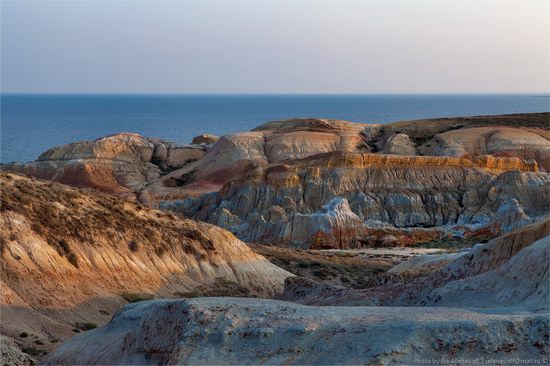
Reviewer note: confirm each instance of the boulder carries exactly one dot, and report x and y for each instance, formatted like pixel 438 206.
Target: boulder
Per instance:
pixel 205 139
pixel 399 144
pixel 334 226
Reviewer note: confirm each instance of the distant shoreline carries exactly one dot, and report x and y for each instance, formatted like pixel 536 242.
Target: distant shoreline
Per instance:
pixel 32 123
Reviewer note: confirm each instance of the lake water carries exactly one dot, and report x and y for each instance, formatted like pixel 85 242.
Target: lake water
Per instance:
pixel 31 124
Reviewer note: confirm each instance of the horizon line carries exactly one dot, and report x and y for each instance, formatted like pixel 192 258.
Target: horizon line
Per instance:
pixel 537 94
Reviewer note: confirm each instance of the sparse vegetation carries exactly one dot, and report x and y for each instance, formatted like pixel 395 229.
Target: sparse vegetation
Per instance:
pixel 136 297
pixel 133 246
pixel 2 245
pixel 455 243
pixel 31 351
pixel 65 246
pixel 103 214
pixel 73 259
pixel 336 268
pixel 219 288
pixel 160 251
pixel 85 326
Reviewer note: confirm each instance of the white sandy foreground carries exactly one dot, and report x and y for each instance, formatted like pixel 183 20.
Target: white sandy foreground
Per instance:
pixel 253 331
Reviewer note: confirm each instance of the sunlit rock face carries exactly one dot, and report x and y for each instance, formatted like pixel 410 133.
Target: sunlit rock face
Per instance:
pixel 69 256
pixel 496 141
pixel 328 200
pixel 265 184
pixel 122 164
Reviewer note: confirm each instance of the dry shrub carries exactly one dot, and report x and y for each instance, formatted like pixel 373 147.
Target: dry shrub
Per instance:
pixel 133 246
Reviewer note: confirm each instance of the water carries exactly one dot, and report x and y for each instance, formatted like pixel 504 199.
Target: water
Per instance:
pixel 32 124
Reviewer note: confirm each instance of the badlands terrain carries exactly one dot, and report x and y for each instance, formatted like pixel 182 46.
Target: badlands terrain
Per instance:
pixel 306 241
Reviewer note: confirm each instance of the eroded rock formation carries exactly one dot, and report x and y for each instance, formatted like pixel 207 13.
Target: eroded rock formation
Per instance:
pixel 503 285
pixel 250 331
pixel 450 175
pixel 123 164
pixel 70 256
pixel 511 270
pixel 285 202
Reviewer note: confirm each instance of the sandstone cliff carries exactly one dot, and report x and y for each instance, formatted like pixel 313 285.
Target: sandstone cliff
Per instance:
pixel 71 257
pixel 294 202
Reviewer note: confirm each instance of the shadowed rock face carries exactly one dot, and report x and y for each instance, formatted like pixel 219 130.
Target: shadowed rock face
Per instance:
pixel 249 331
pixel 511 270
pixel 264 184
pixel 70 256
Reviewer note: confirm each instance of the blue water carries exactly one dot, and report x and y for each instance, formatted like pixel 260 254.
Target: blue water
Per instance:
pixel 31 124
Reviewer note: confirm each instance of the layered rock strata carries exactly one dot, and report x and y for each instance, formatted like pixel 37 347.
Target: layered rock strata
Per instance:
pixel 336 199
pixel 123 164
pixel 276 183
pixel 75 257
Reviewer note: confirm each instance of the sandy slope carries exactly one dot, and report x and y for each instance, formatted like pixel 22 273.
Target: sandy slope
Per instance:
pixel 70 257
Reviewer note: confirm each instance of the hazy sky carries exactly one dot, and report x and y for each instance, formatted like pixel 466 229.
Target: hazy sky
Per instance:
pixel 385 46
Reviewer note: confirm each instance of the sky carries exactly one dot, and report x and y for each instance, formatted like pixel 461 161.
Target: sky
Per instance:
pixel 279 47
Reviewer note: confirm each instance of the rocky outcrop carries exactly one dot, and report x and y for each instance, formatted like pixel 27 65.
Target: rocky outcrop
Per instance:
pixel 205 139
pixel 495 141
pixel 249 331
pixel 511 270
pixel 123 164
pixel 284 202
pixel 331 227
pixel 510 216
pixel 70 256
pixel 259 184
pixel 12 355
pixel 399 144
